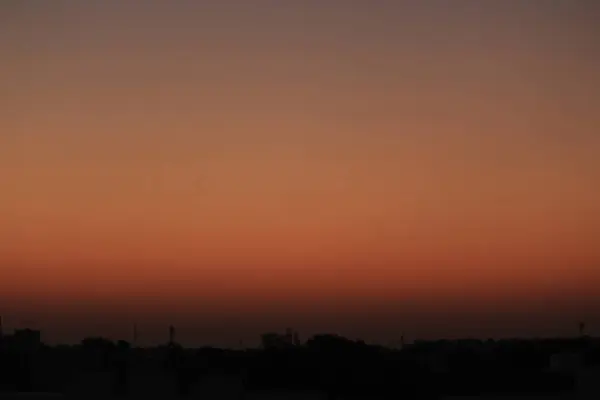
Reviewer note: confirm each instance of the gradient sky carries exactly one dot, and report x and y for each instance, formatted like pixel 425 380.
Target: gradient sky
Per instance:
pixel 361 167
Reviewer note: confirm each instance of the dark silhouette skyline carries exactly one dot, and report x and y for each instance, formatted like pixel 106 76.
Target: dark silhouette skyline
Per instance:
pixel 326 364
pixel 228 331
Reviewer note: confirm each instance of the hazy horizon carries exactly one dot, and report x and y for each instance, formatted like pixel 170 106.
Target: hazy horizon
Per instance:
pixel 367 168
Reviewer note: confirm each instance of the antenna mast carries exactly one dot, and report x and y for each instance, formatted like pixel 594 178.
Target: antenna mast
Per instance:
pixel 135 334
pixel 171 335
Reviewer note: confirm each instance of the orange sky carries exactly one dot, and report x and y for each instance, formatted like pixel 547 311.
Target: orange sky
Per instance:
pixel 332 158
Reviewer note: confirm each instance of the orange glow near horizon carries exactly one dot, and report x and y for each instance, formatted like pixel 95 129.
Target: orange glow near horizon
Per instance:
pixel 228 159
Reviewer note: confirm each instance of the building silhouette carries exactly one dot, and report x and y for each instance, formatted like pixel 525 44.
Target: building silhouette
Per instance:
pixel 28 340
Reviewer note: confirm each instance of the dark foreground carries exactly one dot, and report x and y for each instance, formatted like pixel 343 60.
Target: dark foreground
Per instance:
pixel 326 367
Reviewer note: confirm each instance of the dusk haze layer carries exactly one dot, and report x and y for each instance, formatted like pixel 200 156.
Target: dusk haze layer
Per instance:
pixel 368 168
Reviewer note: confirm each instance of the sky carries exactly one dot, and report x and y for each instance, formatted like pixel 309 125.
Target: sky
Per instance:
pixel 368 168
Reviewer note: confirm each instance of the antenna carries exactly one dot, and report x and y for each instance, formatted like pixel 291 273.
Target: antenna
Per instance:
pixel 1 328
pixel 135 334
pixel 581 328
pixel 171 335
